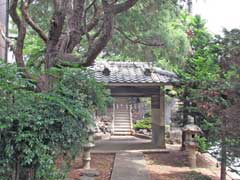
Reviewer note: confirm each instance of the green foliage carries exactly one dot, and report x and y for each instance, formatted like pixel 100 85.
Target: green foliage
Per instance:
pixel 150 21
pixel 36 128
pixel 210 79
pixel 202 144
pixel 34 50
pixel 143 124
pixel 202 64
pixel 197 176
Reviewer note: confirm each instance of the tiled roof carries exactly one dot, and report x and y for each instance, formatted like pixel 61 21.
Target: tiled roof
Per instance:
pixel 131 72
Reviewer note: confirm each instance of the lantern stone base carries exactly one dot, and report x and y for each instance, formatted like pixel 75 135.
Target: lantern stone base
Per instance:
pixel 87 155
pixel 88 174
pixel 191 149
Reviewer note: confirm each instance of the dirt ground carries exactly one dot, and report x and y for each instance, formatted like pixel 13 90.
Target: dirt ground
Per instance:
pixel 102 162
pixel 173 166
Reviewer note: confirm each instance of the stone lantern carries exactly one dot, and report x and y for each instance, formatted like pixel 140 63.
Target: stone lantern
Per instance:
pixel 191 131
pixel 87 148
pixel 87 173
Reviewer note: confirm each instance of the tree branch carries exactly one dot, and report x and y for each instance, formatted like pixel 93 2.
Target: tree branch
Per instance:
pixel 138 41
pixel 34 26
pixel 56 27
pixel 68 60
pixel 106 34
pixel 118 8
pixel 8 40
pixel 85 19
pixel 21 27
pixel 75 24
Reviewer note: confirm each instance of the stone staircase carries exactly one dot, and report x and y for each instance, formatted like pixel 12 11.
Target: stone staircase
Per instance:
pixel 122 122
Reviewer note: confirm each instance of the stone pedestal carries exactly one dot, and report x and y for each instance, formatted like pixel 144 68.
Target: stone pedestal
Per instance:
pixel 87 155
pixel 191 149
pixel 87 148
pixel 89 174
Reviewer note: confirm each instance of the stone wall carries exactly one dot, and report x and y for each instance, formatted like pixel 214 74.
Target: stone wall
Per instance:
pixel 104 121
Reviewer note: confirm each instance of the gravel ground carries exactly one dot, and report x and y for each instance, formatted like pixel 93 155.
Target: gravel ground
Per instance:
pixel 102 162
pixel 173 166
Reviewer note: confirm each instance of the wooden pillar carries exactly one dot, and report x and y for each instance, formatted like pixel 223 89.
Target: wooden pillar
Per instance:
pixel 158 119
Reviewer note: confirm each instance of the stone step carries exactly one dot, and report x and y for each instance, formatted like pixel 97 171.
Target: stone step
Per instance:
pixel 122 120
pixel 122 114
pixel 122 127
pixel 122 124
pixel 122 133
pixel 122 130
pixel 121 110
pixel 121 117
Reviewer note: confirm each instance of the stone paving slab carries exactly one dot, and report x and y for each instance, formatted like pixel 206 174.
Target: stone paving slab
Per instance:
pixel 125 144
pixel 130 166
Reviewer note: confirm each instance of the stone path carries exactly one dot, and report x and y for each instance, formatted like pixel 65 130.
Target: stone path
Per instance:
pixel 125 144
pixel 130 165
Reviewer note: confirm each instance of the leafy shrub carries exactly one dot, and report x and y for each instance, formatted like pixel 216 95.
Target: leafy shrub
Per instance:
pixel 197 176
pixel 143 124
pixel 36 128
pixel 202 144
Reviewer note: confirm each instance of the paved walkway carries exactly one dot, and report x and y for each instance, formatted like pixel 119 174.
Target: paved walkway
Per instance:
pixel 125 144
pixel 130 165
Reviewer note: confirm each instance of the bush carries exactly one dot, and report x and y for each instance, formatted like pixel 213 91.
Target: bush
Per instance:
pixel 197 176
pixel 36 128
pixel 145 123
pixel 202 144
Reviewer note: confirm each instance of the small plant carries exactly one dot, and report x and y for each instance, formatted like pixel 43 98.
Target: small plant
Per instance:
pixel 202 144
pixel 145 123
pixel 197 176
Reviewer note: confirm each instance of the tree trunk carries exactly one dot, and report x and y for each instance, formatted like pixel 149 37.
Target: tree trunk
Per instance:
pixel 223 151
pixel 16 172
pixel 223 162
pixel 185 114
